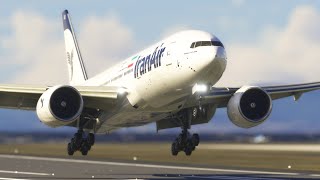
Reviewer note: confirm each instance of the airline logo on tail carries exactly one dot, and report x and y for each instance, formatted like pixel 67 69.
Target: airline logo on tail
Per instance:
pixel 70 61
pixel 77 71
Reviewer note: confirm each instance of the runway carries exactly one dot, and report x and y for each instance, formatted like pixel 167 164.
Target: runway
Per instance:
pixel 264 147
pixel 31 167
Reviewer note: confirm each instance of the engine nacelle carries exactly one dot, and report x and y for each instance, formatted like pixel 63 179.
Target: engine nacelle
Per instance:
pixel 59 105
pixel 249 106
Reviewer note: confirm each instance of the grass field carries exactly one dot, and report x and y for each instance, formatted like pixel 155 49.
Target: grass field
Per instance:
pixel 160 153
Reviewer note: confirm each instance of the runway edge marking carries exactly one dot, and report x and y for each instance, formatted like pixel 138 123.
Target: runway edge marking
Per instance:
pixel 232 177
pixel 11 179
pixel 22 172
pixel 144 165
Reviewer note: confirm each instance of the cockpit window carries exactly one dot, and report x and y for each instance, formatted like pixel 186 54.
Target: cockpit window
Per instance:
pixel 198 44
pixel 206 43
pixel 217 43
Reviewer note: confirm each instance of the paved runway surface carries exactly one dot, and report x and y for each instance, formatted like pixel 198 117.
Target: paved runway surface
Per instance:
pixel 28 167
pixel 264 147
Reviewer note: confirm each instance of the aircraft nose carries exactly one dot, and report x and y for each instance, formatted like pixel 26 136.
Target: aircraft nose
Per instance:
pixel 221 54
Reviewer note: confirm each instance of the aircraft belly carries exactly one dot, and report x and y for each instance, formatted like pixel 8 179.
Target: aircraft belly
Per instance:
pixel 128 119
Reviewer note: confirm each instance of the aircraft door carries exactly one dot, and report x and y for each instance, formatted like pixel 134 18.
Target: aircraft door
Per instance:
pixel 170 53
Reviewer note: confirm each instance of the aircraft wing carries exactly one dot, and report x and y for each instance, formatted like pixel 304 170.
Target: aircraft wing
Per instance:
pixel 25 97
pixel 221 96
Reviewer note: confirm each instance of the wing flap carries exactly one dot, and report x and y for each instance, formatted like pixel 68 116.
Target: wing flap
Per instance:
pixel 110 92
pixel 24 97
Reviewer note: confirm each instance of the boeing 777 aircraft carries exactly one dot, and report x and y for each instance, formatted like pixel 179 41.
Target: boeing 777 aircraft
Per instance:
pixel 171 83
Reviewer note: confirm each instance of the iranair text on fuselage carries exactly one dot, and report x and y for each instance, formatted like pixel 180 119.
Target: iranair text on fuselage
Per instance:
pixel 144 64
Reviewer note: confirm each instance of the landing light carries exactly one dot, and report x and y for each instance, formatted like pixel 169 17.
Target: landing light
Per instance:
pixel 199 88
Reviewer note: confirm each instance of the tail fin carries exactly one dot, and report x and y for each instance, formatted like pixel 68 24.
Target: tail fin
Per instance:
pixel 77 70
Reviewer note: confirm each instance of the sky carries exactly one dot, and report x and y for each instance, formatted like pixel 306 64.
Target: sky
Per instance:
pixel 267 42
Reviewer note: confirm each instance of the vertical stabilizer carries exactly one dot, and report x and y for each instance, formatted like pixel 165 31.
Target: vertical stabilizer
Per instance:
pixel 76 67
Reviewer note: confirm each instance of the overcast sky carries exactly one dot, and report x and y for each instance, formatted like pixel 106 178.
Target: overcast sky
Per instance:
pixel 267 42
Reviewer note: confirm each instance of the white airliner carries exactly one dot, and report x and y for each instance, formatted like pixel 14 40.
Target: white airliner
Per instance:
pixel 171 83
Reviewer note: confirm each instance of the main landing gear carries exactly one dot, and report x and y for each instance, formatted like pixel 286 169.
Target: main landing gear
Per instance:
pixel 81 142
pixel 185 142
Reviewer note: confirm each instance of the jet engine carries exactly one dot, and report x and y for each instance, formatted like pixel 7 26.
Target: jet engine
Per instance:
pixel 59 105
pixel 249 106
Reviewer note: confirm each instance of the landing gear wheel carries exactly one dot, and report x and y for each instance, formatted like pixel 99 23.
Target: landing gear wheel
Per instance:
pixel 179 139
pixel 185 119
pixel 189 147
pixel 89 147
pixel 77 140
pixel 195 139
pixel 174 149
pixel 193 146
pixel 81 142
pixel 70 149
pixel 85 148
pixel 91 139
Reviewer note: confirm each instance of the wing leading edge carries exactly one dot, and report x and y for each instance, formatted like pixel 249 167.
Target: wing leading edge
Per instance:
pixel 221 96
pixel 25 97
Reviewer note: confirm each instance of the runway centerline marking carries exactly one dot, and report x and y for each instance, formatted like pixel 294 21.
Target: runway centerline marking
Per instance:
pixel 145 165
pixel 25 173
